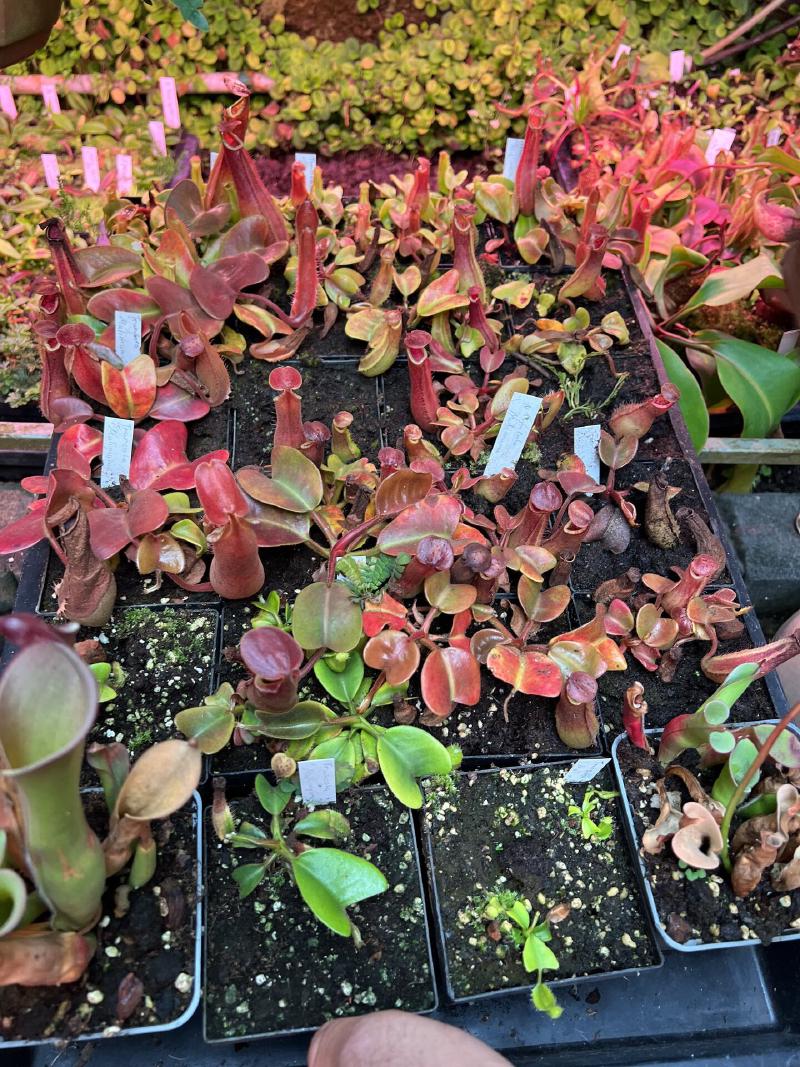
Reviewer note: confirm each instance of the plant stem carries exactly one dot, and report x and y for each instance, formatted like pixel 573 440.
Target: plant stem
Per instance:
pixel 745 27
pixel 739 792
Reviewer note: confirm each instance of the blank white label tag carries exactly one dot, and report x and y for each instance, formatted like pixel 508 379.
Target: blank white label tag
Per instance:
pixel 719 141
pixel 318 780
pixel 585 442
pixel 508 446
pixel 584 770
pixel 677 64
pixel 511 158
pixel 117 448
pixel 212 159
pixel 127 335
pixel 622 50
pixel 309 161
pixel 789 342
pixel 774 137
pixel 52 176
pixel 50 97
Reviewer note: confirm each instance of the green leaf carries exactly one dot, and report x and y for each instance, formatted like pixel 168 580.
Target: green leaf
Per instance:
pixel 190 9
pixel 302 721
pixel 249 836
pixel 733 283
pixel 762 384
pixel 537 956
pixel 273 798
pixel 210 726
pixel 405 754
pixel 327 825
pixel 692 403
pixel 781 160
pixel 248 877
pixel 330 880
pixel 519 913
pixel 324 616
pixel 186 530
pixel 295 485
pixel 342 685
pixel 543 999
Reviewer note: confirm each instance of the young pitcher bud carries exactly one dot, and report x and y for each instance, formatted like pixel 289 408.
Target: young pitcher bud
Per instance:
pixel 283 766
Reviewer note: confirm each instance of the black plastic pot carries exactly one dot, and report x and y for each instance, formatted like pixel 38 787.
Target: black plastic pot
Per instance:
pixel 243 786
pixel 692 945
pixel 441 893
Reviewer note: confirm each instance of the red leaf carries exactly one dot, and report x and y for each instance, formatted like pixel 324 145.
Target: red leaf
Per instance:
pixel 434 516
pixel 270 653
pixel 236 569
pixel 130 392
pixel 23 533
pixel 109 532
pixel 393 652
pixel 384 612
pixel 160 460
pixel 219 493
pixel 147 511
pixel 529 672
pixel 450 676
pixel 172 402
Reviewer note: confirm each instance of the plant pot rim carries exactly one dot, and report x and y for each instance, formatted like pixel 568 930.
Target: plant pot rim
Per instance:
pixel 556 983
pixel 195 806
pixel 296 1031
pixel 693 945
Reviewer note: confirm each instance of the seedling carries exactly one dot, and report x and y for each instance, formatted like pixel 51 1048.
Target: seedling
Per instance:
pixel 328 879
pixel 512 913
pixel 591 830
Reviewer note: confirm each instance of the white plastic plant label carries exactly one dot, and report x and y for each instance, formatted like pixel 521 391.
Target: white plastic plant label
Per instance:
pixel 789 342
pixel 124 168
pixel 7 105
pixel 318 780
pixel 512 156
pixel 719 141
pixel 50 98
pixel 584 444
pixel 212 159
pixel 169 103
pixel 509 443
pixel 52 176
pixel 584 770
pixel 309 161
pixel 158 136
pixel 91 167
pixel 677 64
pixel 117 448
pixel 622 50
pixel 127 335
pixel 774 137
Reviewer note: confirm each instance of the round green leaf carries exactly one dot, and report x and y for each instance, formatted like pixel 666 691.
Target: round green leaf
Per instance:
pixel 405 754
pixel 302 721
pixel 210 726
pixel 327 825
pixel 324 616
pixel 341 685
pixel 330 880
pixel 248 877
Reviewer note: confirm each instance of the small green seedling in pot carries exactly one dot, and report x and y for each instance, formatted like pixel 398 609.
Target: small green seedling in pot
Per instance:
pixel 513 917
pixel 108 676
pixel 329 880
pixel 591 830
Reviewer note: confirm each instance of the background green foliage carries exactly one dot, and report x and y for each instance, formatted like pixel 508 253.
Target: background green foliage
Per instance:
pixel 418 87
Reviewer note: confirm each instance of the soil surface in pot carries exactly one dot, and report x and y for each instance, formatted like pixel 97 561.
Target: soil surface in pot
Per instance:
pixel 685 693
pixel 326 390
pixel 702 908
pixel 167 656
pixel 146 933
pixel 510 830
pixel 272 966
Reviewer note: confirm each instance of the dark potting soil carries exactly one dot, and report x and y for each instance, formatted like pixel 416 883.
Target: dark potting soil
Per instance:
pixel 132 588
pixel 684 694
pixel 167 657
pixel 335 344
pixel 595 563
pixel 211 433
pixel 326 390
pixel 510 830
pixel 703 908
pixel 271 965
pixel 153 939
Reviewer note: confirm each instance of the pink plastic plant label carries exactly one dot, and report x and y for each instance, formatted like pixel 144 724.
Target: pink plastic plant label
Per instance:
pixel 169 103
pixel 158 136
pixel 622 50
pixel 50 97
pixel 51 172
pixel 677 64
pixel 91 167
pixel 719 141
pixel 124 168
pixel 7 105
